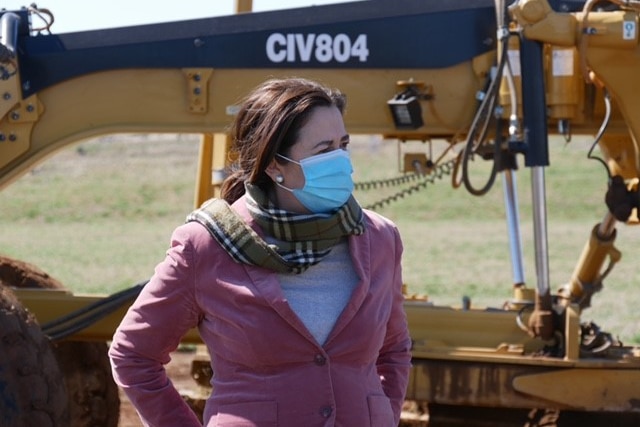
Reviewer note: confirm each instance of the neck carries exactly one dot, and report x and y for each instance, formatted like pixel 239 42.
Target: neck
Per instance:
pixel 284 199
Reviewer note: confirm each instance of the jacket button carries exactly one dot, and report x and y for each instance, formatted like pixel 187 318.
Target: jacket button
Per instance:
pixel 326 411
pixel 320 359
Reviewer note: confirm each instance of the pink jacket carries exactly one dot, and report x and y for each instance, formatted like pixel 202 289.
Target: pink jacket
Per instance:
pixel 268 369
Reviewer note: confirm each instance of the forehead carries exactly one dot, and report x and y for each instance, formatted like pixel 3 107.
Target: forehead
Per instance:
pixel 324 125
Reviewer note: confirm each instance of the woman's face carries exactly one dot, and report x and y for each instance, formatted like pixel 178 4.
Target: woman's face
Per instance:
pixel 324 131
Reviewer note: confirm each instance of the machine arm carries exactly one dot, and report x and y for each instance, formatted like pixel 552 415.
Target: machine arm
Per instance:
pixel 188 76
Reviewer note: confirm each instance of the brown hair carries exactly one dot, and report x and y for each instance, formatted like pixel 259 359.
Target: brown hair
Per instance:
pixel 268 123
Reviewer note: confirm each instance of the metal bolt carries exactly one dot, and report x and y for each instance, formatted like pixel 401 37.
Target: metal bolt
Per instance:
pixel 15 115
pixel 30 108
pixel 12 137
pixel 197 77
pixel 198 42
pixel 6 96
pixel 197 90
pixel 2 137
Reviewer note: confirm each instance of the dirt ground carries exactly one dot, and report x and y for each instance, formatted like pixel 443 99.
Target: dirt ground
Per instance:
pixel 179 370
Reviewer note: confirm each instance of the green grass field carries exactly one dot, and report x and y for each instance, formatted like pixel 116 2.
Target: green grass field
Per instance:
pixel 98 217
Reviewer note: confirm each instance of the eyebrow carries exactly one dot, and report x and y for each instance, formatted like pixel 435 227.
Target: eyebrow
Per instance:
pixel 345 138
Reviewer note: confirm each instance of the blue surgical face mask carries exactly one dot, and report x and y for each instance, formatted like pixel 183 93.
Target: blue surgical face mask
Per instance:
pixel 327 181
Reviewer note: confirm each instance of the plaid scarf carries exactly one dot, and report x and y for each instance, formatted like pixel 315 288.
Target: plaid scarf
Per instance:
pixel 303 240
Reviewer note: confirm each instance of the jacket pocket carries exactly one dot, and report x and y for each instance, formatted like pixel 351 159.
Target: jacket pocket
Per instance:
pixel 380 412
pixel 247 414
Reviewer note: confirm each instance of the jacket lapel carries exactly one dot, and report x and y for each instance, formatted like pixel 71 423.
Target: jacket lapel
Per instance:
pixel 360 251
pixel 269 286
pixel 267 283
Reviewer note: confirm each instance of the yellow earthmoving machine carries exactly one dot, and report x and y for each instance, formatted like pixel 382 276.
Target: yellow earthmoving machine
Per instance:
pixel 492 78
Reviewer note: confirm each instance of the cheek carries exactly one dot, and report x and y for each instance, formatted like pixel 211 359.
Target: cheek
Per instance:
pixel 294 177
pixel 297 178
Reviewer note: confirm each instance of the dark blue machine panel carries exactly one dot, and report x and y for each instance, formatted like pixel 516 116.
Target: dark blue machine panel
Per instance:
pixel 369 34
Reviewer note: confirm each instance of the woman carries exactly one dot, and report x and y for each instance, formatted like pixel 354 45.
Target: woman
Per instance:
pixel 295 289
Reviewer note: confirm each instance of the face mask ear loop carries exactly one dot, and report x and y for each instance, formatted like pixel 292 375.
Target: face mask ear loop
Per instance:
pixel 279 178
pixel 287 159
pixel 290 190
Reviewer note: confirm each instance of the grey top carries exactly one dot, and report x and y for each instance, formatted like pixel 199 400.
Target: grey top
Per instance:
pixel 319 295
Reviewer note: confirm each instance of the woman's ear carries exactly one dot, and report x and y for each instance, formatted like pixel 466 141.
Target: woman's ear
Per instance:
pixel 273 170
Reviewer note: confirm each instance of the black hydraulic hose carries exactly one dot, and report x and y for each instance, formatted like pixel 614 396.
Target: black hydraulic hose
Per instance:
pixel 481 120
pixel 80 319
pixel 603 128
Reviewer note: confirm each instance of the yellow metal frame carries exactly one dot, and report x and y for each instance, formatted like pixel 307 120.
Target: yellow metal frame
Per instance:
pixel 51 304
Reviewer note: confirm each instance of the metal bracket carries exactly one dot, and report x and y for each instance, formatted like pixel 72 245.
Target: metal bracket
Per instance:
pixel 26 111
pixel 198 88
pixel 16 127
pixel 9 94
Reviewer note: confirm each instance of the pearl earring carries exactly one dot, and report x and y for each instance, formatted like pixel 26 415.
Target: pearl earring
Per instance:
pixel 279 179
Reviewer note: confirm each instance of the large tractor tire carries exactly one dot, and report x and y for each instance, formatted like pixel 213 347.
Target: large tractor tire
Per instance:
pixel 92 396
pixel 32 392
